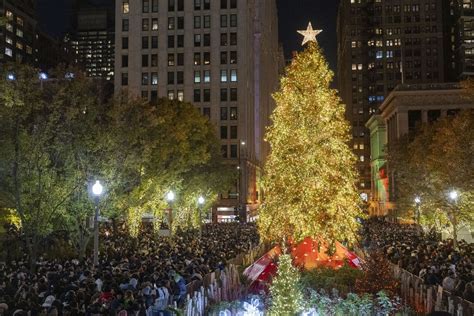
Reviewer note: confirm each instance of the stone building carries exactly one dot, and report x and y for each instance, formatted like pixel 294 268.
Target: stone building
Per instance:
pixel 405 109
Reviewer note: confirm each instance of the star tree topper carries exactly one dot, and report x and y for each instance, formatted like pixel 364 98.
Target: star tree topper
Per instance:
pixel 309 34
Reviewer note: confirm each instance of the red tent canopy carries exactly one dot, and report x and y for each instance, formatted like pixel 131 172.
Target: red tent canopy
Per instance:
pixel 307 254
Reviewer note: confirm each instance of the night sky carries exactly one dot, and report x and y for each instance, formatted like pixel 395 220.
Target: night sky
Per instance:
pixel 55 18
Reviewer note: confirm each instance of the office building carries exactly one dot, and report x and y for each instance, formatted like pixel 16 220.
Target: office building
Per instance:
pixel 462 38
pixel 223 56
pixel 93 39
pixel 382 44
pixel 18 32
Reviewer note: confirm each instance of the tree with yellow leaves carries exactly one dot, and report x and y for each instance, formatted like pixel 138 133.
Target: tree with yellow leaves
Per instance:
pixel 310 175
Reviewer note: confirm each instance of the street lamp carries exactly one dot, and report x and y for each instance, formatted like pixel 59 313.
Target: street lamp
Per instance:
pixel 453 195
pixel 242 183
pixel 418 214
pixel 11 77
pixel 97 190
pixel 201 201
pixel 170 196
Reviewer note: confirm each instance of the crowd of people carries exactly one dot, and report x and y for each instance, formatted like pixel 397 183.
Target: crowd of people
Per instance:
pixel 138 276
pixel 434 260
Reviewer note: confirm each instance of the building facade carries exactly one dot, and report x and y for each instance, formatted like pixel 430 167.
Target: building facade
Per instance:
pixel 405 109
pixel 382 44
pixel 462 12
pixel 93 39
pixel 223 56
pixel 18 32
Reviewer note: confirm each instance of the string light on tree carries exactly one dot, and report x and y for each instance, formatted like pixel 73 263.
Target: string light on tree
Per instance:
pixel 285 290
pixel 310 175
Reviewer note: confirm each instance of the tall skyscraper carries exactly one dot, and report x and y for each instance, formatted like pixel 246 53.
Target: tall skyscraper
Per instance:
pixel 93 38
pixel 462 37
pixel 18 32
pixel 382 44
pixel 222 56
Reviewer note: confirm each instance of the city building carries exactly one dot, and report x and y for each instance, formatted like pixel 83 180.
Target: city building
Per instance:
pixel 51 52
pixel 382 44
pixel 405 109
pixel 17 31
pixel 462 37
pixel 93 38
pixel 223 56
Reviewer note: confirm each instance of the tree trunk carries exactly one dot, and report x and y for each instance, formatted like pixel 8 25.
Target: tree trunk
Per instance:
pixel 32 244
pixel 454 222
pixel 82 241
pixel 455 235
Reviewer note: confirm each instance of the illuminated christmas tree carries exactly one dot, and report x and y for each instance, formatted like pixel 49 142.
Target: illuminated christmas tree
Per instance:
pixel 310 175
pixel 285 291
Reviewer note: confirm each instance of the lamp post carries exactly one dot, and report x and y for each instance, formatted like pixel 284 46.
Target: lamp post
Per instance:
pixel 42 77
pixel 170 196
pixel 201 201
pixel 242 183
pixel 97 190
pixel 454 195
pixel 417 203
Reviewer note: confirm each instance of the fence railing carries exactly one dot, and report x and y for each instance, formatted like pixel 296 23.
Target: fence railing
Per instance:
pixel 220 286
pixel 425 298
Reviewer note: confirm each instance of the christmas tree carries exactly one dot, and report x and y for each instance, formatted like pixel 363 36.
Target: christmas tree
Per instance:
pixel 285 291
pixel 310 177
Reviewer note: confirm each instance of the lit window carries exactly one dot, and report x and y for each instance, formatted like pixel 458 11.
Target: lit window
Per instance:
pixel 197 59
pixel 154 24
pixel 361 146
pixel 207 58
pixel 180 95
pixel 197 77
pixel 233 75
pixel 9 40
pixel 223 75
pixel 379 54
pixel 144 79
pixel 207 76
pixel 19 21
pixel 171 94
pixel 19 33
pixel 125 7
pixel 233 113
pixel 8 51
pixel 154 78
